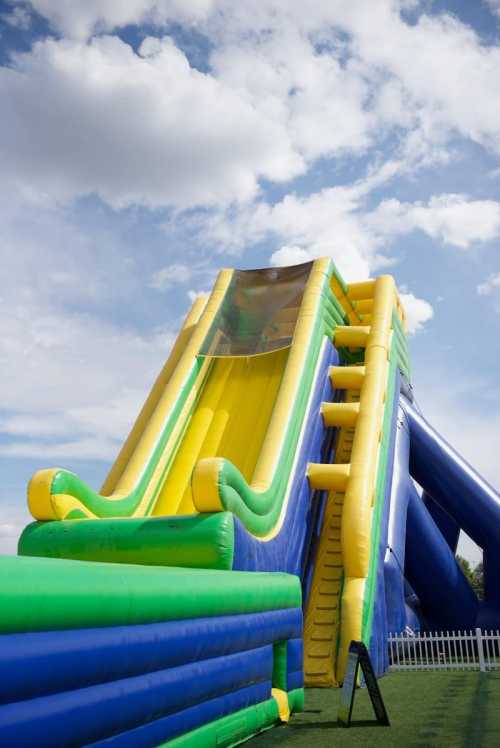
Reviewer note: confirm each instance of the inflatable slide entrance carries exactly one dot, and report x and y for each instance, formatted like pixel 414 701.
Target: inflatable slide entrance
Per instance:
pixel 262 514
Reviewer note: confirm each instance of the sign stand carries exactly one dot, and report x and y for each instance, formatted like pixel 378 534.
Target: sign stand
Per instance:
pixel 358 655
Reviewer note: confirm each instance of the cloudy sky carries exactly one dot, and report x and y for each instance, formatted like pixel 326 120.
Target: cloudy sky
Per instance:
pixel 145 144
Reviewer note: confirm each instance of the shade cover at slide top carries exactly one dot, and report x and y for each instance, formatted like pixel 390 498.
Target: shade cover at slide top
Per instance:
pixel 259 311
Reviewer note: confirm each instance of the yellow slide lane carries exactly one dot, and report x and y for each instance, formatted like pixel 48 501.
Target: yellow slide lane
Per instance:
pixel 230 420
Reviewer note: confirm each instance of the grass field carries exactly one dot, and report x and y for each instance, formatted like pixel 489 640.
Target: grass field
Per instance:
pixel 459 709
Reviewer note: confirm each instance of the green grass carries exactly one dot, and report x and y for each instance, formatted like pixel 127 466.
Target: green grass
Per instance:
pixel 459 709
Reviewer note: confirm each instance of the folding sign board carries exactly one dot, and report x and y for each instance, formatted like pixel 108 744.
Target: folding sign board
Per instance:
pixel 358 656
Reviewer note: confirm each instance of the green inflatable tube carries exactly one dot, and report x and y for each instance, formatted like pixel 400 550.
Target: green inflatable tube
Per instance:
pixel 42 594
pixel 199 541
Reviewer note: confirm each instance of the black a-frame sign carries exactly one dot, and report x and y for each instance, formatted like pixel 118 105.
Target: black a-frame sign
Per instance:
pixel 358 655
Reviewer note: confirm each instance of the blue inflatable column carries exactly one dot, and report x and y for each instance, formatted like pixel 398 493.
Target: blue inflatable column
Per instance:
pixel 448 528
pixel 452 482
pixel 447 599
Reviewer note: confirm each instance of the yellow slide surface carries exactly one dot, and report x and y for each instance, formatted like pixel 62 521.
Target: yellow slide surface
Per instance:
pixel 230 420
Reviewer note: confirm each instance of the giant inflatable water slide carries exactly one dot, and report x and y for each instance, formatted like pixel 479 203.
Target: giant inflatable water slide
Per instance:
pixel 280 495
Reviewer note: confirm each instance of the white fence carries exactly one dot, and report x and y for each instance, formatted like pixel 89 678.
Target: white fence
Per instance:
pixel 468 650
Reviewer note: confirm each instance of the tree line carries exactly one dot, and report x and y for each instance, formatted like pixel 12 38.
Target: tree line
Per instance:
pixel 474 575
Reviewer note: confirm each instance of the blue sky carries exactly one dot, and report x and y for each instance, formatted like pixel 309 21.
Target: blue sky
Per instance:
pixel 146 144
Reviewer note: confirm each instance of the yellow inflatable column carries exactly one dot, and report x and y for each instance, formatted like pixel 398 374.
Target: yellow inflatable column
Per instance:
pixel 360 490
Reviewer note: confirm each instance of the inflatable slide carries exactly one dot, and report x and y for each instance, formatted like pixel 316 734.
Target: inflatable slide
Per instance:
pixel 262 514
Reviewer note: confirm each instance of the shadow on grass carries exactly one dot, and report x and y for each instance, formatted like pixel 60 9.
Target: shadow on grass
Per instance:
pixel 332 725
pixel 477 732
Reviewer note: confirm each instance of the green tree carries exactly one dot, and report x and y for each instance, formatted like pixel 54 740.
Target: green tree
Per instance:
pixel 467 569
pixel 478 581
pixel 474 576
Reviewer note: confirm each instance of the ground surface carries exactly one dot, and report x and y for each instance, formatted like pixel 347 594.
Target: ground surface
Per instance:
pixel 459 709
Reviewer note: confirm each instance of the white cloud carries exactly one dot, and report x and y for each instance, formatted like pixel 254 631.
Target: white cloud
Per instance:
pixel 75 366
pixel 19 17
pixel 494 6
pixel 488 286
pixel 133 128
pixel 447 59
pixel 284 88
pixel 9 534
pixel 418 312
pixel 451 85
pixel 81 18
pixel 194 294
pixel 289 256
pixel 71 385
pixel 322 103
pixel 177 273
pixel 451 218
pixel 14 515
pixel 325 223
pixel 107 421
pixel 458 221
pixel 335 222
pixel 94 447
pixel 170 276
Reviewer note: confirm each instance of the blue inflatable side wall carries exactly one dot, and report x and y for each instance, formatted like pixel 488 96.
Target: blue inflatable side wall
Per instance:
pixel 166 728
pixel 30 664
pixel 142 685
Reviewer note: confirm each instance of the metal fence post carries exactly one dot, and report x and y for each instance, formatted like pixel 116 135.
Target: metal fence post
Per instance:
pixel 480 651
